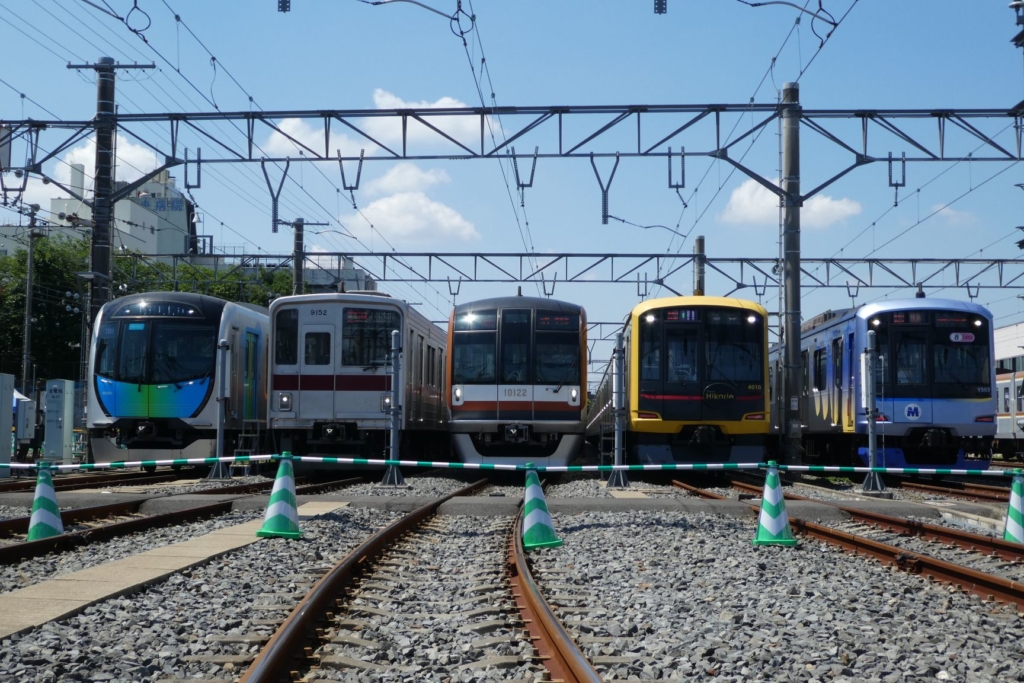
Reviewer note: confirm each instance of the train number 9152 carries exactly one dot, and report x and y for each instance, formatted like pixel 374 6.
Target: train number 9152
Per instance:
pixel 318 311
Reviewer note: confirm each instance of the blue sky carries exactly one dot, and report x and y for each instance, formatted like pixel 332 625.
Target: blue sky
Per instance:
pixel 348 54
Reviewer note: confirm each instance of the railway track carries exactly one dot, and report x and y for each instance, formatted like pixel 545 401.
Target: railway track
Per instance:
pixel 972 492
pixel 127 520
pixel 91 481
pixel 985 585
pixel 373 610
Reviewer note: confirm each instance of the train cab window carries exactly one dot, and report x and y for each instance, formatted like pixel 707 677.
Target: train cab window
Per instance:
pixel 515 347
pixel 474 347
pixel 911 353
pixel 650 348
pixel 366 336
pixel 286 345
pixel 105 345
pixel 681 346
pixel 557 348
pixel 318 348
pixel 134 349
pixel 182 351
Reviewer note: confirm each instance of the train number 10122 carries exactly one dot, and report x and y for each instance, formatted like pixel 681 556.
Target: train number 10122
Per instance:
pixel 515 392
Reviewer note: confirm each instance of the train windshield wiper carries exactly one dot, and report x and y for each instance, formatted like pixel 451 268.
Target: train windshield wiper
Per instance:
pixel 565 375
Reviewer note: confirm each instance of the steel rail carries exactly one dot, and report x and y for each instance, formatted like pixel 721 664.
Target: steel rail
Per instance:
pixel 88 481
pixel 559 652
pixel 297 634
pixel 19 525
pixel 986 586
pixel 16 552
pixel 1011 552
pixel 966 493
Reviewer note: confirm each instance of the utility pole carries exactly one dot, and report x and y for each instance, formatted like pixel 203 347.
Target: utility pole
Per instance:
pixel 299 252
pixel 791 112
pixel 26 349
pixel 101 259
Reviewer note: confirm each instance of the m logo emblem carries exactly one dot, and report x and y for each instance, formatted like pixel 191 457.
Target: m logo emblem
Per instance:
pixel 912 411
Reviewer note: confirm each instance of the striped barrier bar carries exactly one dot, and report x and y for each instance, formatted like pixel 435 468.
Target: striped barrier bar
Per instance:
pixel 894 470
pixel 139 463
pixel 539 468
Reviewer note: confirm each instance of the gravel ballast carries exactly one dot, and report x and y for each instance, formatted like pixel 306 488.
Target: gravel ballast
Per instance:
pixel 682 597
pixel 436 485
pixel 14 511
pixel 163 632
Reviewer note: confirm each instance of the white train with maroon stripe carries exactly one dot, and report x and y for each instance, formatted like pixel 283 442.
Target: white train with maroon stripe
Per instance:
pixel 329 372
pixel 515 369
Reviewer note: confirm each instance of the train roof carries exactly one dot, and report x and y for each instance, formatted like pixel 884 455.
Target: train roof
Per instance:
pixel 869 309
pixel 362 296
pixel 518 302
pixel 683 301
pixel 210 306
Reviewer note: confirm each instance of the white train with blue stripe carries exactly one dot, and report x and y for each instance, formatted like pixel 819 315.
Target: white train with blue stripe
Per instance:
pixel 935 384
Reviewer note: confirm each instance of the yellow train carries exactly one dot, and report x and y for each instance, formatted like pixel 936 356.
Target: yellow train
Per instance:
pixel 696 378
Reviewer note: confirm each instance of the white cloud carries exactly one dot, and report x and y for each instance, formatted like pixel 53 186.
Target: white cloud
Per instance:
pixel 465 129
pixel 313 137
pixel 406 176
pixel 133 161
pixel 410 219
pixel 954 217
pixel 753 204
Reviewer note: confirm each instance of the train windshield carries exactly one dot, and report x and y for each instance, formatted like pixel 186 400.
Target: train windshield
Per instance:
pixel 735 342
pixel 366 336
pixel 557 348
pixel 155 352
pixel 474 353
pixel 938 354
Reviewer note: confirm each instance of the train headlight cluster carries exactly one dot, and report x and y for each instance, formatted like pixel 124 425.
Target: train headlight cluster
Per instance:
pixel 385 403
pixel 457 395
pixel 574 395
pixel 284 402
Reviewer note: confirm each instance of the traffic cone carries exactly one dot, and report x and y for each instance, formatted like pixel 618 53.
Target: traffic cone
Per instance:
pixel 45 521
pixel 1015 512
pixel 538 530
pixel 773 523
pixel 282 517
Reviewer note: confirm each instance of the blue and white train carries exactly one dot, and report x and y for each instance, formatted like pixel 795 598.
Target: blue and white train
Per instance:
pixel 154 372
pixel 935 384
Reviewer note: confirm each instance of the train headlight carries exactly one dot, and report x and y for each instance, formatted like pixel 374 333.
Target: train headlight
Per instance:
pixel 457 396
pixel 574 396
pixel 977 323
pixel 385 403
pixel 284 402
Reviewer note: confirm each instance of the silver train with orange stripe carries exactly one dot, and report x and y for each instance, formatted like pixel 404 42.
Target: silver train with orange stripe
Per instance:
pixel 329 373
pixel 516 367
pixel 695 371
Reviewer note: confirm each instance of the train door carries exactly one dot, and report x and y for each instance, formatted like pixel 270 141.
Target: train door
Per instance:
pixel 912 391
pixel 515 381
pixel 316 371
pixel 684 376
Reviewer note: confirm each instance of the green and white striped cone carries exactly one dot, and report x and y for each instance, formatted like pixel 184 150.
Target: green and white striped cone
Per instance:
pixel 538 530
pixel 282 518
pixel 45 521
pixel 773 523
pixel 1015 512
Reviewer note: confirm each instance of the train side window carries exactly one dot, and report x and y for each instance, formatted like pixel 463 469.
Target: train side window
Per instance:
pixel 1020 398
pixel 819 369
pixel 318 348
pixel 1006 399
pixel 806 370
pixel 105 344
pixel 837 362
pixel 286 344
pixel 771 377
